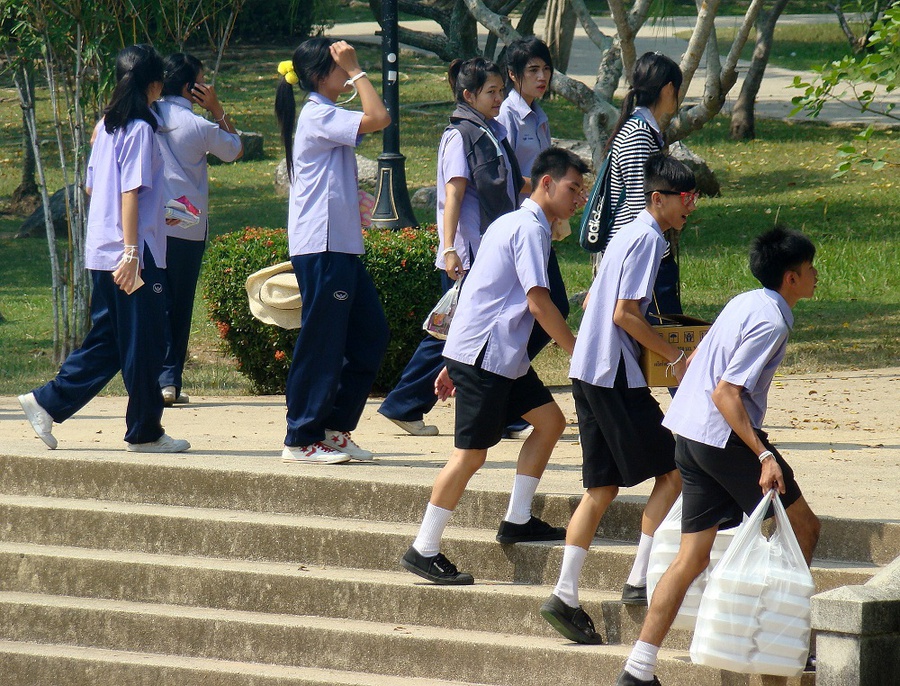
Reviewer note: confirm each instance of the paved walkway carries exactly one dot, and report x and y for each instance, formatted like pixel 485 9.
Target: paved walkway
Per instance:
pixel 773 100
pixel 839 432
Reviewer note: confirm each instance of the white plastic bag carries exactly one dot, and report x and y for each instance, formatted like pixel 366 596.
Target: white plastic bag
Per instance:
pixel 666 543
pixel 437 323
pixel 754 615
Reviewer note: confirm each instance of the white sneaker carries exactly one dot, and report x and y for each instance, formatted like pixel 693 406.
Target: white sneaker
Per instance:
pixel 523 434
pixel 171 396
pixel 41 421
pixel 317 453
pixel 416 427
pixel 340 440
pixel 163 444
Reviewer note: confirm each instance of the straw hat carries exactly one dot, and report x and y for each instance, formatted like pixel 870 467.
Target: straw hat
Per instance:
pixel 275 296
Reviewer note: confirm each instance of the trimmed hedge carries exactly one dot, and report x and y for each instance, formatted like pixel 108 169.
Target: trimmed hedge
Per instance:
pixel 401 264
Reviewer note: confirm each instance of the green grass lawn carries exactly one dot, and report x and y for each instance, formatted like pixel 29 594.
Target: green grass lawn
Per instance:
pixel 786 172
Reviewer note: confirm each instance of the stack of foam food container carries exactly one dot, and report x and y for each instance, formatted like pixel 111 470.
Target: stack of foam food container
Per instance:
pixel 666 543
pixel 754 615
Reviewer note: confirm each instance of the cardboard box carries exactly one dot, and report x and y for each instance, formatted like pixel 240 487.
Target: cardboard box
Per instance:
pixel 681 331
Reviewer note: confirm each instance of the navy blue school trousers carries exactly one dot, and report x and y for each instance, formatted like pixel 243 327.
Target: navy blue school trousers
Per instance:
pixel 343 337
pixel 125 335
pixel 183 261
pixel 413 397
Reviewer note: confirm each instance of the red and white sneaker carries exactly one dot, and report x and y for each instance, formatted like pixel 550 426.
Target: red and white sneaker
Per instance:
pixel 317 453
pixel 340 440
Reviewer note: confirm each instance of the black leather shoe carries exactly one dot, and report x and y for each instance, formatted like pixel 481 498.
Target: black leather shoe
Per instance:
pixel 572 622
pixel 634 595
pixel 437 569
pixel 626 679
pixel 533 530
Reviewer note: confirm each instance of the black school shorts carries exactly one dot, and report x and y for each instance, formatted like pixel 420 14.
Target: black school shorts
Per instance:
pixel 486 403
pixel 720 485
pixel 623 441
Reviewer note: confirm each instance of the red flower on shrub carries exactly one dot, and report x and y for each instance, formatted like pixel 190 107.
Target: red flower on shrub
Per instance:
pixel 223 328
pixel 280 356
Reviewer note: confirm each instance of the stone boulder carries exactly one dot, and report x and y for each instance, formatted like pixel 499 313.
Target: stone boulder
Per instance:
pixel 707 183
pixel 368 173
pixel 579 147
pixel 33 226
pixel 425 198
pixel 253 148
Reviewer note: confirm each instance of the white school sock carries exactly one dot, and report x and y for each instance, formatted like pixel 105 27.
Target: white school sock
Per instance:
pixel 638 576
pixel 641 663
pixel 428 542
pixel 519 510
pixel 567 586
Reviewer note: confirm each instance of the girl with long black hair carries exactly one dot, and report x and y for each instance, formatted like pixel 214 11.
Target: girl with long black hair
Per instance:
pixel 125 251
pixel 343 333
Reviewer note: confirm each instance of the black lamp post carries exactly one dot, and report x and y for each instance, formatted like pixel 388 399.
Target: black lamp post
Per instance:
pixel 392 207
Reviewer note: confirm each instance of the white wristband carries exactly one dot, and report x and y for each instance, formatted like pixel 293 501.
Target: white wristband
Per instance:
pixel 354 79
pixel 765 454
pixel 448 251
pixel 670 366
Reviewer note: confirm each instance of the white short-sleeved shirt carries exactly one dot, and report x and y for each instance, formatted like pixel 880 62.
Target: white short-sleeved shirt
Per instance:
pixel 744 347
pixel 527 130
pixel 125 160
pixel 452 164
pixel 323 209
pixel 184 139
pixel 492 313
pixel 627 272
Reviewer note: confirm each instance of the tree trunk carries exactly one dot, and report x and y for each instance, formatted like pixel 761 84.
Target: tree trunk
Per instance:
pixel 743 118
pixel 27 189
pixel 559 31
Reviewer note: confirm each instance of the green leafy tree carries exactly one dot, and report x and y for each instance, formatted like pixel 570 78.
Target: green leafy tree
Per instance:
pixel 861 81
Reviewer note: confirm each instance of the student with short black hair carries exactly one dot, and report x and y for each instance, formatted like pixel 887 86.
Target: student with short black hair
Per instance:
pixel 506 292
pixel 623 441
pixel 724 456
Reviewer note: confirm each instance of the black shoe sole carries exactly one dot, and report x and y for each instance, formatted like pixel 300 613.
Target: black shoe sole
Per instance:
pixel 440 580
pixel 637 602
pixel 531 539
pixel 629 597
pixel 567 629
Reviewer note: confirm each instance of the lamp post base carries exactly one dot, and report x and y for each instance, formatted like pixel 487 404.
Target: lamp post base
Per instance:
pixel 393 209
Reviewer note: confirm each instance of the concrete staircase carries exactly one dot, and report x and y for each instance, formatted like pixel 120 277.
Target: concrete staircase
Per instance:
pixel 121 571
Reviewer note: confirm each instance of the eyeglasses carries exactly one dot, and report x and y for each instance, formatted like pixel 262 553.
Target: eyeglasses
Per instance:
pixel 688 198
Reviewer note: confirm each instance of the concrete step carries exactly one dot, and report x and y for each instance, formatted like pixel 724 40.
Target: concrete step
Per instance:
pixel 313 642
pixel 385 494
pixel 278 588
pixel 310 541
pixel 40 664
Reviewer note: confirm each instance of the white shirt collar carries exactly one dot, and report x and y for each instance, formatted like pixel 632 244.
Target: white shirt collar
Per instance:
pixel 648 117
pixel 785 309
pixel 178 100
pixel 532 206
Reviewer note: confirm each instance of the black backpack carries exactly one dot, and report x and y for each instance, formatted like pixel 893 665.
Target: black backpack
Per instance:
pixel 600 211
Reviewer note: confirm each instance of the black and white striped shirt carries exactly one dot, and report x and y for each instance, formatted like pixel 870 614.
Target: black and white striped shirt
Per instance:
pixel 634 143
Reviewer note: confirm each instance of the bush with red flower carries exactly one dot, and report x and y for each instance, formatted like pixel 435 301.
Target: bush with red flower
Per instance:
pixel 401 264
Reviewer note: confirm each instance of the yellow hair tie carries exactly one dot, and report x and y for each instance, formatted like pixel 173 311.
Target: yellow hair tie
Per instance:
pixel 286 69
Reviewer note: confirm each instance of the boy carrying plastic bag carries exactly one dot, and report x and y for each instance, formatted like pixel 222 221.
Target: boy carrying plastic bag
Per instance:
pixel 754 615
pixel 723 454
